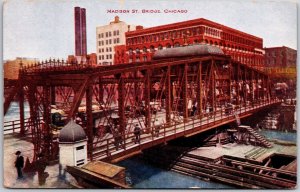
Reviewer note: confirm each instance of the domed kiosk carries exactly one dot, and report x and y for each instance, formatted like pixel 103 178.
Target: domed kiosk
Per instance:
pixel 72 145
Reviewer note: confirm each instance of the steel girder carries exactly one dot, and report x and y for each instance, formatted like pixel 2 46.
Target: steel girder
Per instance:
pixel 130 94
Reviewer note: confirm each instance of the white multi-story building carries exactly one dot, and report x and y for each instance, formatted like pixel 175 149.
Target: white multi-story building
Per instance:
pixel 109 36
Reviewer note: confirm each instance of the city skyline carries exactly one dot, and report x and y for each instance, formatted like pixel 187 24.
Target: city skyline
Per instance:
pixel 44 29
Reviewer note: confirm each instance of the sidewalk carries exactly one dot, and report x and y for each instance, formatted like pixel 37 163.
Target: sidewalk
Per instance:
pixel 11 144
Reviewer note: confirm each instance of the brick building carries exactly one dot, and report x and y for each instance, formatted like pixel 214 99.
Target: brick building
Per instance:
pixel 280 57
pixel 142 43
pixel 11 67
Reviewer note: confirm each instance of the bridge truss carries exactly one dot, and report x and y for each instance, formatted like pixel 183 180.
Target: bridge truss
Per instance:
pixel 116 98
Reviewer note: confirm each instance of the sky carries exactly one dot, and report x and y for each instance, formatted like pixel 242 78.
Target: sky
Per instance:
pixel 45 28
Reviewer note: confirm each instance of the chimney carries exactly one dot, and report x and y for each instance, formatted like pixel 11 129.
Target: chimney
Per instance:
pixel 80 31
pixel 117 19
pixel 139 27
pixel 77 21
pixel 83 32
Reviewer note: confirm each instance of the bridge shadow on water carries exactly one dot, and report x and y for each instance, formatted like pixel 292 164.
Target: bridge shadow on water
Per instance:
pixel 144 175
pixel 152 169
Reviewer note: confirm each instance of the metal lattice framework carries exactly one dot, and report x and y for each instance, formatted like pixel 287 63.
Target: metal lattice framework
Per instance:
pixel 115 98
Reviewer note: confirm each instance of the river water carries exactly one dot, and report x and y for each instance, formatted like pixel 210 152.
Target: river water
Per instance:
pixel 145 176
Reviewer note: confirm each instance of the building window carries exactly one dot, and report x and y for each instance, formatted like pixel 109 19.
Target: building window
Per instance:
pixel 106 34
pixel 99 43
pixel 102 49
pixel 115 41
pixel 109 41
pixel 99 36
pixel 106 49
pixel 99 57
pixel 106 42
pixel 99 50
pixel 110 56
pixel 130 51
pixel 118 40
pixel 114 33
pixel 110 33
pixel 110 49
pixel 102 57
pixel 102 35
pixel 117 32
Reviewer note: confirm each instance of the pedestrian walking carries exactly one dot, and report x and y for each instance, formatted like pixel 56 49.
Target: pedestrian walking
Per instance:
pixel 137 133
pixel 194 109
pixel 19 164
pixel 157 127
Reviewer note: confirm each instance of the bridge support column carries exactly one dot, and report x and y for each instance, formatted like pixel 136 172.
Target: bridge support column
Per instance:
pixel 245 88
pixel 21 106
pixel 89 116
pixel 101 91
pixel 46 132
pixel 147 100
pixel 136 89
pixel 168 95
pixel 184 92
pixel 252 88
pixel 213 87
pixel 121 100
pixel 268 89
pixel 199 90
pixel 237 86
pixel 34 120
pixel 231 79
pixel 53 98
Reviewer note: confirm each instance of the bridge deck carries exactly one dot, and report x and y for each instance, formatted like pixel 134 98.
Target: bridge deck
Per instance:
pixel 105 149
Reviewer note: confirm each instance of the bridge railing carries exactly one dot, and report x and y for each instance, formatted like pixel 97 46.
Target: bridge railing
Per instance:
pixel 13 126
pixel 109 146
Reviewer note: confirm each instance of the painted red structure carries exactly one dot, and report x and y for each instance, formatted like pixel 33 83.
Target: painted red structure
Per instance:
pixel 113 99
pixel 142 43
pixel 80 31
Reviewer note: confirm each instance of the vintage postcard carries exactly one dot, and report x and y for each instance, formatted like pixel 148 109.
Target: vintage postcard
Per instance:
pixel 136 94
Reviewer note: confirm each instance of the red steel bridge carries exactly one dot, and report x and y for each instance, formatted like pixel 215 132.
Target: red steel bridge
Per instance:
pixel 182 92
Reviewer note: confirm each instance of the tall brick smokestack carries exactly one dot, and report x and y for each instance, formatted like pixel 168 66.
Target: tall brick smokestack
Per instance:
pixel 83 32
pixel 77 19
pixel 80 31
